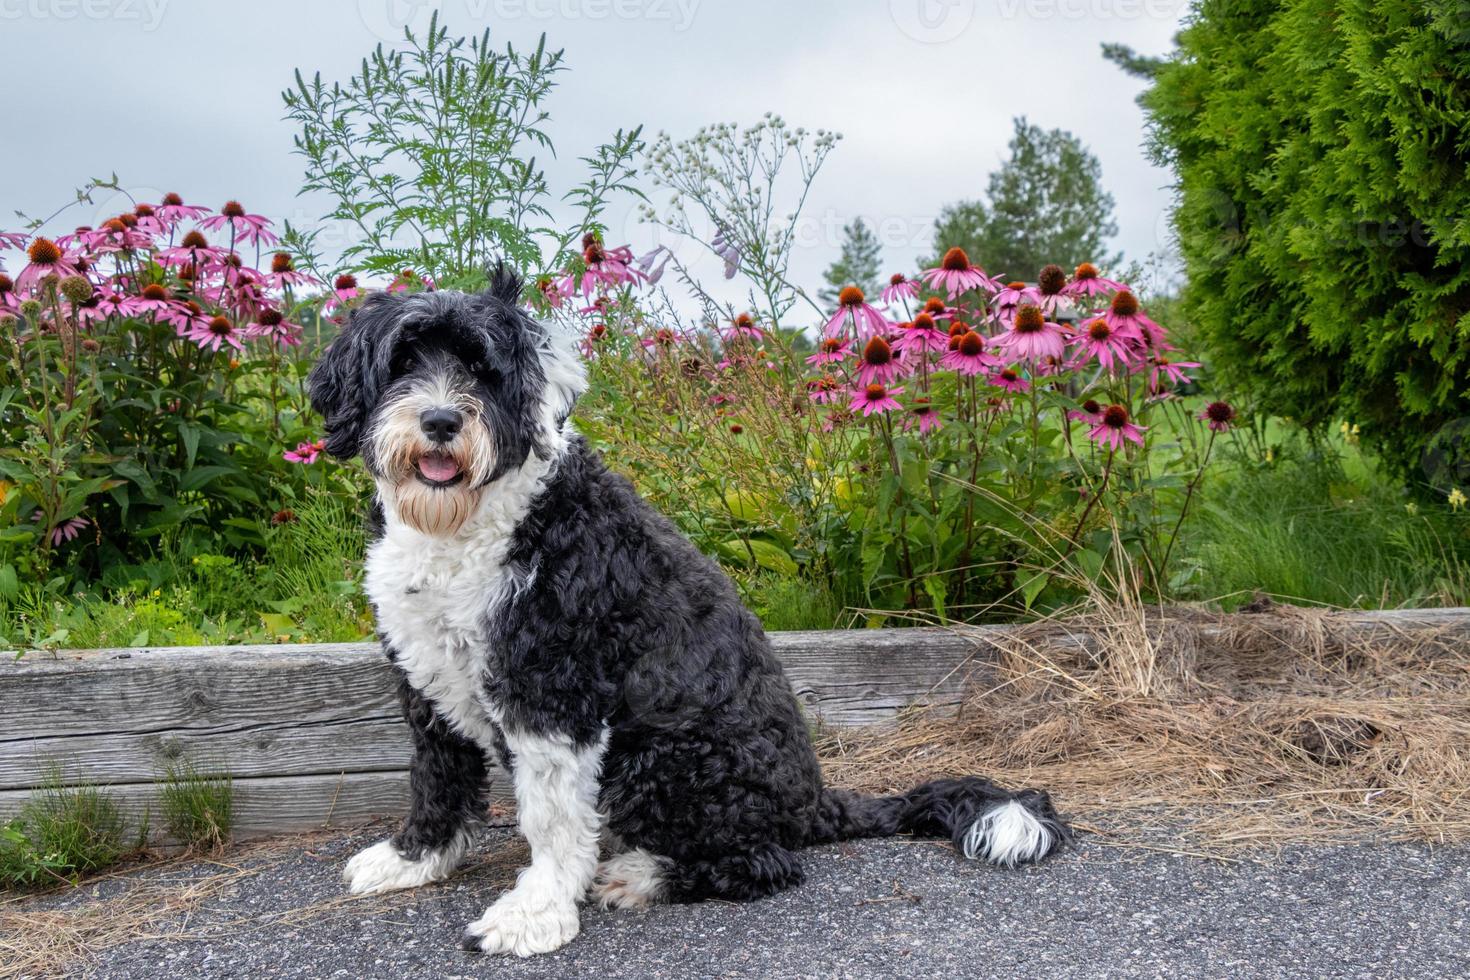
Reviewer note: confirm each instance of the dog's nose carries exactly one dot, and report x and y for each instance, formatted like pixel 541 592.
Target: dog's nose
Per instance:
pixel 441 424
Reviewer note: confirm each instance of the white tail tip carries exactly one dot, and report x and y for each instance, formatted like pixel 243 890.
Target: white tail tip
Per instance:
pixel 1008 834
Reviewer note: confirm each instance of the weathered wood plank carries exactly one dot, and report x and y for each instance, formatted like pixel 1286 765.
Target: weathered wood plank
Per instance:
pixel 282 804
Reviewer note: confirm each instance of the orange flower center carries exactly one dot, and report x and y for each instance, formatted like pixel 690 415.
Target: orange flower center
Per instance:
pixel 877 352
pixel 345 281
pixel 281 262
pixel 194 240
pixel 43 251
pixel 155 292
pixel 1115 416
pixel 955 260
pixel 875 392
pixel 1086 271
pixel 1125 304
pixel 934 305
pixel 850 296
pixel 1029 320
pixel 1099 330
pixel 221 327
pixel 233 209
pixel 923 322
pixel 971 344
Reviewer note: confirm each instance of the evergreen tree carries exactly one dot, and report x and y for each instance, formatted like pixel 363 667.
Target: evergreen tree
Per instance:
pixel 858 265
pixel 1045 204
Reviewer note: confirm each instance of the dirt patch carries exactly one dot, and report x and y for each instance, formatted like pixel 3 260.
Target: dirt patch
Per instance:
pixel 1249 731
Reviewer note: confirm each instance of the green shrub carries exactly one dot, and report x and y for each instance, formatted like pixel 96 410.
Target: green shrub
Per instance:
pixel 1320 152
pixel 198 808
pixel 61 833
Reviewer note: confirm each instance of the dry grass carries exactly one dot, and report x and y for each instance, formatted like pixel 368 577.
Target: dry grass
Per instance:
pixel 1227 732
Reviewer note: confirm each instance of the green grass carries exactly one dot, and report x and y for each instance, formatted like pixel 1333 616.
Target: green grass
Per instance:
pixel 198 808
pixel 305 588
pixel 1331 531
pixel 62 832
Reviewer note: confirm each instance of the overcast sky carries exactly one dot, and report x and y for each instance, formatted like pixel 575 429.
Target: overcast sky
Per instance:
pixel 185 95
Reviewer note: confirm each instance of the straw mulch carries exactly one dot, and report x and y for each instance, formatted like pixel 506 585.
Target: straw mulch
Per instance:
pixel 1224 733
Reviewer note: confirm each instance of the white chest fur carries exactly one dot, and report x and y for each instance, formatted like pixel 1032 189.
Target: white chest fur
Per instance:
pixel 436 597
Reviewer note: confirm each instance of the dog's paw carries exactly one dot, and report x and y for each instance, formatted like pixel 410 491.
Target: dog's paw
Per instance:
pixel 631 880
pixel 522 927
pixel 381 868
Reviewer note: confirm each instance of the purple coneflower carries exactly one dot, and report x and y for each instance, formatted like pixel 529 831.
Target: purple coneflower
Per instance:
pixel 866 320
pixel 185 317
pixel 305 452
pixel 1089 412
pixel 47 260
pixel 172 209
pixel 1162 368
pixel 249 229
pixel 1219 416
pixel 874 399
pixel 824 389
pixel 921 335
pixel 899 288
pixel 284 273
pixel 922 417
pixel 1087 281
pixel 193 249
pixel 1113 426
pixel 956 275
pixel 1031 336
pixel 344 291
pixel 272 324
pixel 967 355
pixel 1013 296
pixel 877 363
pixel 743 326
pixel 1127 319
pixel 1098 340
pixel 215 331
pixel 1010 380
pixel 831 350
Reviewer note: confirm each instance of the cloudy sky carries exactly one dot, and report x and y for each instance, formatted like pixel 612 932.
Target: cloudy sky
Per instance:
pixel 185 95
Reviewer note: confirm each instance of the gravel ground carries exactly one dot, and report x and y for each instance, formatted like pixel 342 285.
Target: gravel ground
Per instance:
pixel 871 909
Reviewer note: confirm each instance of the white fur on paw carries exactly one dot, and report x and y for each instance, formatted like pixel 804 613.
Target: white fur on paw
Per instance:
pixel 381 868
pixel 520 924
pixel 632 880
pixel 1008 834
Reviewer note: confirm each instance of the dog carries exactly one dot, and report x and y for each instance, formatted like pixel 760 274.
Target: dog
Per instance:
pixel 539 613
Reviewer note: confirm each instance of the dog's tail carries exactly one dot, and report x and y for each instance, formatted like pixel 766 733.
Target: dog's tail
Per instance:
pixel 983 820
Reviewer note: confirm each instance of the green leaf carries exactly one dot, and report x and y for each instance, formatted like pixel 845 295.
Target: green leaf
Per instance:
pixel 1031 586
pixel 767 555
pixel 937 591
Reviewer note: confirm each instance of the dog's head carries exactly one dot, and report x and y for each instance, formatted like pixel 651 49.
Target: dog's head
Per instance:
pixel 443 394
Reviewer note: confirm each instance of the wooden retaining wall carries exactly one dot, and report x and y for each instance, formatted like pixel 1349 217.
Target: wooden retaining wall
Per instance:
pixel 311 734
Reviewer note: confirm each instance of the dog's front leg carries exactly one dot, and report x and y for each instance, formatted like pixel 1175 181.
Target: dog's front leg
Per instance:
pixel 449 790
pixel 556 781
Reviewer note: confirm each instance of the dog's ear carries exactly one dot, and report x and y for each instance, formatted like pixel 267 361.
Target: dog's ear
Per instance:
pixel 344 383
pixel 505 283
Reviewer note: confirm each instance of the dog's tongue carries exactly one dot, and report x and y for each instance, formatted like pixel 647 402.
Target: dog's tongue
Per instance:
pixel 438 468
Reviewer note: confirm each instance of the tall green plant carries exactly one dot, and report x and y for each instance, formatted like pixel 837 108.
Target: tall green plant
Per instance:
pixel 429 155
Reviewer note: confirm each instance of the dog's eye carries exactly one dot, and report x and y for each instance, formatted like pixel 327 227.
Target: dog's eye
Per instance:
pixel 404 365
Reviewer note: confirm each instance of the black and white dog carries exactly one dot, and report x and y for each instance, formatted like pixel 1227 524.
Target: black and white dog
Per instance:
pixel 538 612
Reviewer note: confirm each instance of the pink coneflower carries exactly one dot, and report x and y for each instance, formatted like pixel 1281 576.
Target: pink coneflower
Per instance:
pixel 1009 380
pixel 13 239
pixel 824 389
pixel 284 273
pixel 1090 412
pixel 596 334
pixel 874 398
pixel 936 308
pixel 967 355
pixel 1050 283
pixel 215 331
pixel 1219 416
pixel 1012 297
pixel 1162 368
pixel 1087 281
pixel 248 229
pixel 8 299
pixel 117 235
pixel 603 268
pixel 1112 427
pixel 920 336
pixel 344 290
pixel 743 326
pixel 67 530
pixel 922 417
pixel 185 317
pixel 1127 320
pixel 109 304
pixel 273 325
pixel 900 288
pixel 193 249
pixel 153 298
pixel 877 364
pixel 1031 336
pixel 1098 340
pixel 47 260
pixel 832 350
pixel 866 320
pixel 956 275
pixel 172 209
pixel 305 452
